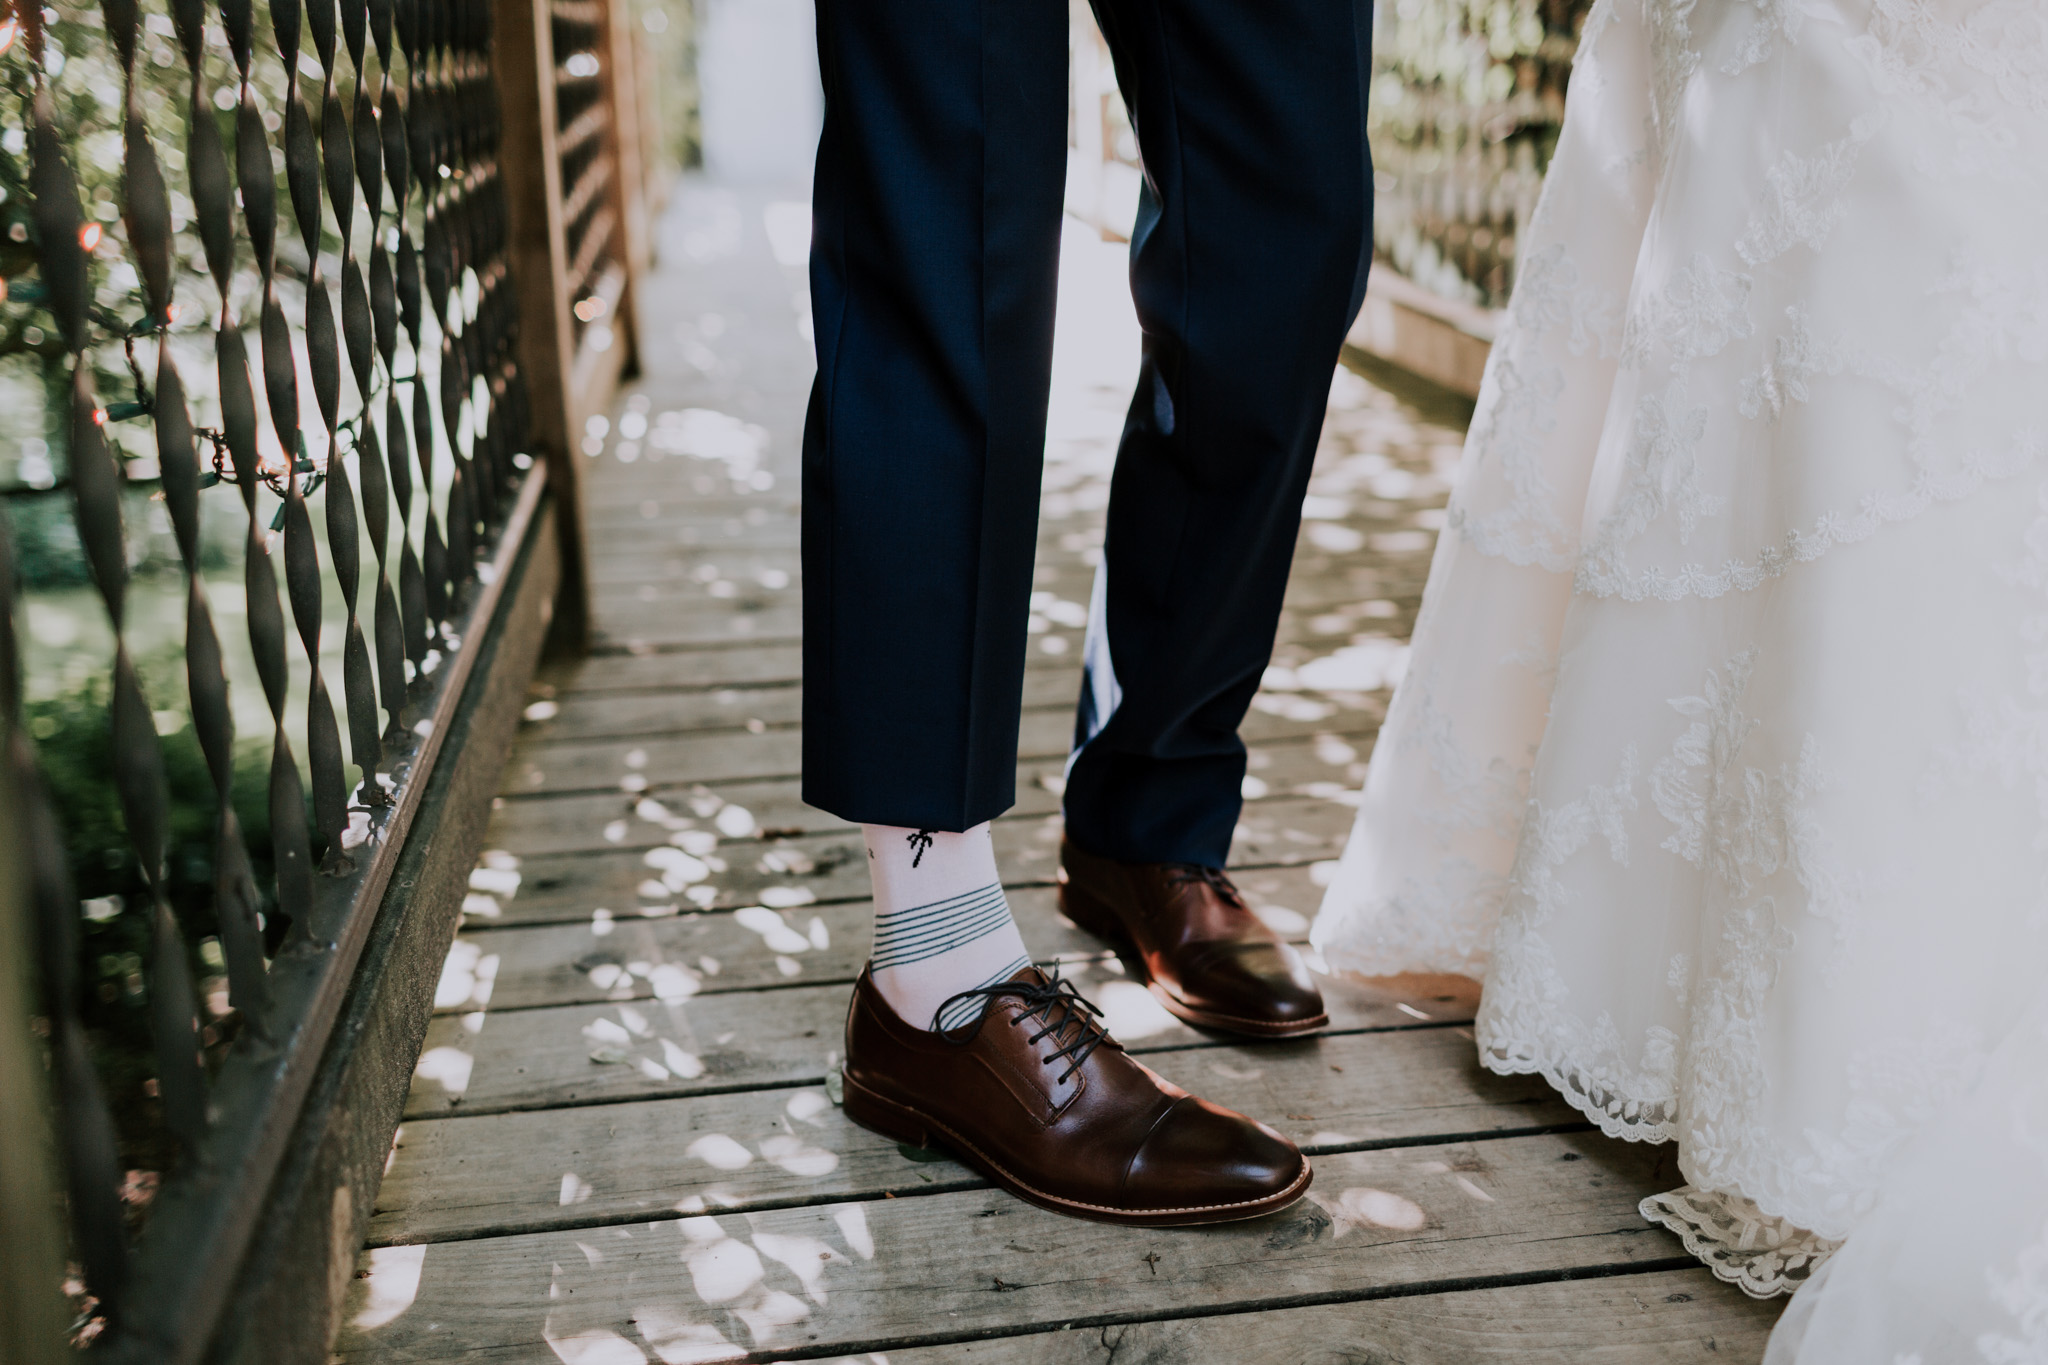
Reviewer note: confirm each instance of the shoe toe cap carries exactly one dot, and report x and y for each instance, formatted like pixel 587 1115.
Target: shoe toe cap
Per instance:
pixel 1258 981
pixel 1201 1155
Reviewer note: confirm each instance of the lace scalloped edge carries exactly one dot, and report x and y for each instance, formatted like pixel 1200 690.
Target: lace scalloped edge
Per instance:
pixel 1572 1088
pixel 1767 1272
pixel 1521 1059
pixel 1770 1257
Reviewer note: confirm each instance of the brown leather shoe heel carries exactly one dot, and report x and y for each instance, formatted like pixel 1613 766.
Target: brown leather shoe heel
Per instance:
pixel 1038 1098
pixel 1189 936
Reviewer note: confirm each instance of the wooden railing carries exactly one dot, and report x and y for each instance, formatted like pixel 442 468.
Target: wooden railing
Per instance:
pixel 1467 104
pixel 358 428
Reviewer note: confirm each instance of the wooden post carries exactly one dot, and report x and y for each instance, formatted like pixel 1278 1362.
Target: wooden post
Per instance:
pixel 32 1312
pixel 629 109
pixel 528 159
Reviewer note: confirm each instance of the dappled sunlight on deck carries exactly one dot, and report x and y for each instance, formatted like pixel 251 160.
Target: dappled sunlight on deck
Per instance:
pixel 623 1143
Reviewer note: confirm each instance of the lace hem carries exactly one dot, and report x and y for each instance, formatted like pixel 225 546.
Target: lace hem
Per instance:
pixel 1617 1114
pixel 1762 1256
pixel 1729 1232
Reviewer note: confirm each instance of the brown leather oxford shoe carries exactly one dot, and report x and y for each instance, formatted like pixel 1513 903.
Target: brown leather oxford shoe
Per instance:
pixel 1188 934
pixel 1040 1099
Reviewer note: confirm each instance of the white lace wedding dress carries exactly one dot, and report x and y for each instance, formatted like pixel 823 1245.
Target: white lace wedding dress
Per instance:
pixel 1722 753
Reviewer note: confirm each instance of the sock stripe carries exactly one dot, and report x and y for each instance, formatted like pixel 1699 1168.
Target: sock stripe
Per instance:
pixel 900 923
pixel 959 929
pixel 918 913
pixel 972 1008
pixel 901 931
pixel 903 949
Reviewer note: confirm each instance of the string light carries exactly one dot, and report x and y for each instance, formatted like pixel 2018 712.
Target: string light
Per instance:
pixel 89 236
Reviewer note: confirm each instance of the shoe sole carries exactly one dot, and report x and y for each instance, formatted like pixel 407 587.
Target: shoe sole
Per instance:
pixel 1092 915
pixel 900 1123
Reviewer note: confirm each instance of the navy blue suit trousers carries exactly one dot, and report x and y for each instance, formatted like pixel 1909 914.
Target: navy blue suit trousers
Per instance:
pixel 940 179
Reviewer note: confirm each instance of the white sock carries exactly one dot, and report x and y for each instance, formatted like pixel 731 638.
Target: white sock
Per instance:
pixel 942 924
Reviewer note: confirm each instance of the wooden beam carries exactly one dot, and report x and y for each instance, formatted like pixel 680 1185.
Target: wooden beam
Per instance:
pixel 622 71
pixel 1444 341
pixel 529 159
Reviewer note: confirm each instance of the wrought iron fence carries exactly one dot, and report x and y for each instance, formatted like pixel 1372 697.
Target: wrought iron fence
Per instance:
pixel 272 389
pixel 1467 100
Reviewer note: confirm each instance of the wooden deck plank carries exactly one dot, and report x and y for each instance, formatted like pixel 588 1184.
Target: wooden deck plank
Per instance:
pixel 1670 1317
pixel 488 1061
pixel 501 1173
pixel 668 760
pixel 729 664
pixel 594 957
pixel 858 1276
pixel 615 875
pixel 584 716
pixel 581 963
pixel 677 622
pixel 1304 769
pixel 725 664
pixel 583 822
pixel 635 716
pixel 1279 749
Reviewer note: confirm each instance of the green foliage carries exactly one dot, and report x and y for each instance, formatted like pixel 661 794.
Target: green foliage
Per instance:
pixel 74 748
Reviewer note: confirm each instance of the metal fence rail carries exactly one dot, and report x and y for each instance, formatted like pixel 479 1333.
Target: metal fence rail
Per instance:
pixel 383 118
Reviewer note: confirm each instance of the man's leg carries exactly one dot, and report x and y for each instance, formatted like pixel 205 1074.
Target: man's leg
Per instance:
pixel 1248 266
pixel 933 276
pixel 934 269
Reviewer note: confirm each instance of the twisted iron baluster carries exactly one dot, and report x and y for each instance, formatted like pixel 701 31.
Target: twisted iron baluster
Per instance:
pixel 322 349
pixel 442 193
pixel 146 214
pixel 486 258
pixel 499 315
pixel 365 316
pixel 213 207
pixel 420 118
pixel 456 330
pixel 386 298
pixel 92 1157
pixel 281 385
pixel 96 481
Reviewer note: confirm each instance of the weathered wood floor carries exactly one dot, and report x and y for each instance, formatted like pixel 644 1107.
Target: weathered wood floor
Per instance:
pixel 621 1145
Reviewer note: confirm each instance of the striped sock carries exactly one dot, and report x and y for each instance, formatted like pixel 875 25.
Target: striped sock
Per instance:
pixel 942 924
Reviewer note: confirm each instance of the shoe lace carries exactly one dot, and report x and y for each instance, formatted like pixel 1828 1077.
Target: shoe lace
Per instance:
pixel 1053 1002
pixel 1193 874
